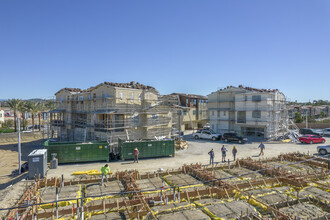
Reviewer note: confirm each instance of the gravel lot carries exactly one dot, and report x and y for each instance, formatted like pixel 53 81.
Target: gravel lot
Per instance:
pixel 196 152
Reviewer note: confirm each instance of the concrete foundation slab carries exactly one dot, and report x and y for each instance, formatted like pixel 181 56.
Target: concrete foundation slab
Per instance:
pixel 184 215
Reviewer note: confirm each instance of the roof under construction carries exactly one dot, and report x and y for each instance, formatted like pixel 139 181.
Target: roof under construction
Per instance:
pixel 251 89
pixel 130 85
pixel 193 96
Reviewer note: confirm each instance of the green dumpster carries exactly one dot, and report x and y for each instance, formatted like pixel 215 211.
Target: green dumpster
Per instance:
pixel 72 152
pixel 147 148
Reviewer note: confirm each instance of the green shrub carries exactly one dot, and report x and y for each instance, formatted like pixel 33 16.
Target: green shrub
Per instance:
pixel 7 130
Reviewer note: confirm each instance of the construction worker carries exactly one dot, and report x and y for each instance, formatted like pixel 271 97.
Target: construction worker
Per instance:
pixel 105 170
pixel 234 152
pixel 262 148
pixel 136 155
pixel 223 151
pixel 211 153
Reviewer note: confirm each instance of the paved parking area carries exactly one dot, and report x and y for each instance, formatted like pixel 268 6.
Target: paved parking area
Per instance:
pixel 196 152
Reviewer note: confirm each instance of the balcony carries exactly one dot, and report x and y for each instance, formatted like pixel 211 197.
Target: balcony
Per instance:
pixel 58 123
pixel 241 121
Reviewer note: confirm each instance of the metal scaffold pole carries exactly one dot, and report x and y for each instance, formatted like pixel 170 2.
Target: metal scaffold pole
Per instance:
pixel 19 144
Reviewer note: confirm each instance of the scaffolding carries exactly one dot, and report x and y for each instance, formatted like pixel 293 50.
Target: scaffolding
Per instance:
pixel 237 111
pixel 107 119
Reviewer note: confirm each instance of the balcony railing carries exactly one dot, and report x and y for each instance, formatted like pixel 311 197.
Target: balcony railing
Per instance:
pixel 241 121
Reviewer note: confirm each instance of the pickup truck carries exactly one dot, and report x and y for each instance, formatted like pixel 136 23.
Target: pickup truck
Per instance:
pixel 323 150
pixel 206 134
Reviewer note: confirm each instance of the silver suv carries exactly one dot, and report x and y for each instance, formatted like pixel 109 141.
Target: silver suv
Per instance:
pixel 323 150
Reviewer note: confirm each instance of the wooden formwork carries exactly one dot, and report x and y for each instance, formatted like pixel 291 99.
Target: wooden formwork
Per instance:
pixel 138 205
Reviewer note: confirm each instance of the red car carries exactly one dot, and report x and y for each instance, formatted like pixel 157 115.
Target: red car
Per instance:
pixel 311 139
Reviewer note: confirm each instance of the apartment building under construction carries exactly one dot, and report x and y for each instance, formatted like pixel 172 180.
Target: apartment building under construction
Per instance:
pixel 192 109
pixel 110 111
pixel 248 111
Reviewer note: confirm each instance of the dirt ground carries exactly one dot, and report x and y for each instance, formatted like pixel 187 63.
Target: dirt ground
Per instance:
pixel 9 157
pixel 10 195
pixel 196 152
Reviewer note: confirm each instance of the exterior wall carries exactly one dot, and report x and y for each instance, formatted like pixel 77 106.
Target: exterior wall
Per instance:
pixel 106 113
pixel 193 107
pixel 221 106
pixel 246 112
pixel 2 116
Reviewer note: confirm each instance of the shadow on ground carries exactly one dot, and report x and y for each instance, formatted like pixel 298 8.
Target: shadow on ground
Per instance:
pixel 27 147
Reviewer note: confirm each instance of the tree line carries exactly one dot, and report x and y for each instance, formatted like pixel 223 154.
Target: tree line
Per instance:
pixel 32 107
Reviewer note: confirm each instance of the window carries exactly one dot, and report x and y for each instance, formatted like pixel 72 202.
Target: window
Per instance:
pixel 256 114
pixel 212 113
pixel 194 101
pixel 187 102
pixel 120 123
pixel 245 98
pixel 224 113
pixel 82 99
pixel 218 113
pixel 200 112
pixel 136 120
pixel 194 112
pixel 77 99
pixel 140 96
pixel 121 96
pixel 94 97
pixel 154 117
pixel 256 98
pixel 241 117
pixel 212 127
pixel 68 99
pixel 89 96
pixel 105 97
pixel 185 112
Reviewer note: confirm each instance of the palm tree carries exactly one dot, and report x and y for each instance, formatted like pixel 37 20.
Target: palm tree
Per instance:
pixel 15 105
pixel 23 109
pixel 33 108
pixel 50 105
pixel 41 107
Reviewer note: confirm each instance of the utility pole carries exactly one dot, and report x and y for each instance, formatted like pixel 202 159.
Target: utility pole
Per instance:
pixel 306 120
pixel 179 117
pixel 19 144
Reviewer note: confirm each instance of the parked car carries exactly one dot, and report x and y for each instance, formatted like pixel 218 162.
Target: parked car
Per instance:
pixel 304 131
pixel 36 127
pixel 311 139
pixel 206 134
pixel 228 137
pixel 326 132
pixel 323 149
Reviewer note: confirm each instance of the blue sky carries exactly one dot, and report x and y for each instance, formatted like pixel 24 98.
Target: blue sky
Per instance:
pixel 189 46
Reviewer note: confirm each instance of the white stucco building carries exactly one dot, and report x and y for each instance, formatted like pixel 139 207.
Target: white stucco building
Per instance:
pixel 248 111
